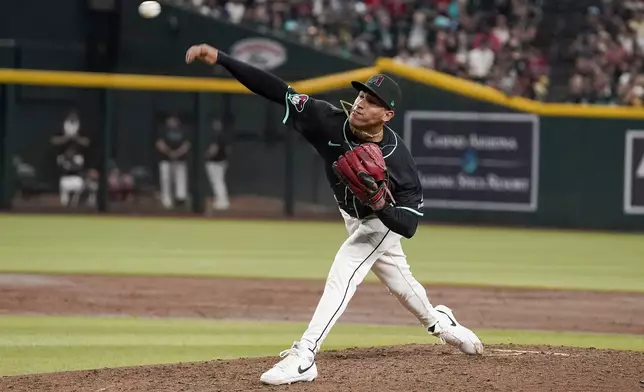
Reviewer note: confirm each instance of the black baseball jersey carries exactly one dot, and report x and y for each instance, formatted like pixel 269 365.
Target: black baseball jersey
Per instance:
pixel 71 157
pixel 327 128
pixel 221 140
pixel 173 137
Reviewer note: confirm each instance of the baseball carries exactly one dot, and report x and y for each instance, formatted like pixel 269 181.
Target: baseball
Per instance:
pixel 149 9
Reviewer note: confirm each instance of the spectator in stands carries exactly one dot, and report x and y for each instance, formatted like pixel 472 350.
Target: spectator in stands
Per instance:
pixel 578 90
pixel 503 76
pixel 235 10
pixel 217 157
pixel 120 184
pixel 501 31
pixel 417 36
pixel 173 147
pixel 602 89
pixel 424 58
pixel 615 55
pixel 386 35
pixel 405 58
pixel 71 157
pixel 480 61
pixel 627 78
pixel 634 93
pixel 637 25
pixel 627 39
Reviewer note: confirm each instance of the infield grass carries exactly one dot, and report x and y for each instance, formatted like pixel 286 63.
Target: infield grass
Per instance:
pixel 34 344
pixel 280 249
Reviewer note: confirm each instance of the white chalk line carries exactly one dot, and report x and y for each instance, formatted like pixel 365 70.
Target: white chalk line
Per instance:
pixel 507 353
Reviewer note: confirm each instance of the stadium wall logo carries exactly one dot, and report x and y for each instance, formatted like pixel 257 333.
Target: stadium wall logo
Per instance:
pixel 634 173
pixel 478 161
pixel 262 53
pixel 470 161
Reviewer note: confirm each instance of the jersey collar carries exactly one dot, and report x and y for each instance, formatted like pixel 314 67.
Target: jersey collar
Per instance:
pixel 388 143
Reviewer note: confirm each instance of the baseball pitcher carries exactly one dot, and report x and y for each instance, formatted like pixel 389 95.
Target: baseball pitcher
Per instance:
pixel 376 185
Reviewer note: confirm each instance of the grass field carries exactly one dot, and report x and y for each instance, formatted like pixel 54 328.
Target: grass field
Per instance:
pixel 45 344
pixel 460 255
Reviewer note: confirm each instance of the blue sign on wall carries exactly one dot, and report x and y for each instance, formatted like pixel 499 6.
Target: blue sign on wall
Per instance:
pixel 478 161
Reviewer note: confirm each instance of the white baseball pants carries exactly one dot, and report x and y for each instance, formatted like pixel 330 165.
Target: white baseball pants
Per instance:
pixel 70 187
pixel 173 172
pixel 370 246
pixel 217 176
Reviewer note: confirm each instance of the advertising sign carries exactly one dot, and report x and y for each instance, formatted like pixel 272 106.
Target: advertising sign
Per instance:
pixel 477 161
pixel 263 53
pixel 634 173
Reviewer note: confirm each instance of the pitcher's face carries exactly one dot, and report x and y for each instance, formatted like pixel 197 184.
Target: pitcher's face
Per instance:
pixel 368 111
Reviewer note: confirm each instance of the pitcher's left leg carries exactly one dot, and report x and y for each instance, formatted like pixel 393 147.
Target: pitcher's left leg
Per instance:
pixel 367 241
pixel 393 270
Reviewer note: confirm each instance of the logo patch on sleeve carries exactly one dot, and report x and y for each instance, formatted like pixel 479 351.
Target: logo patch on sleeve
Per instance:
pixel 298 101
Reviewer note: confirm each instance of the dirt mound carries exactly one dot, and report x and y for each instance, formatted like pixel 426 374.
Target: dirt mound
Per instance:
pixel 408 368
pixel 295 300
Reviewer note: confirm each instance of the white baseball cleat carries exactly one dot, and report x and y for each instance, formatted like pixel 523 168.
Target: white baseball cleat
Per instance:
pixel 449 331
pixel 298 365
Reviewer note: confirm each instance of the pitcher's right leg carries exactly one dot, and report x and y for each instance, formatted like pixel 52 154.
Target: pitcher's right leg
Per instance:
pixel 392 270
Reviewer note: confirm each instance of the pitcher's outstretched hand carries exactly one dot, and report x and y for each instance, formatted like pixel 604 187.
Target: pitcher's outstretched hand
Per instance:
pixel 203 52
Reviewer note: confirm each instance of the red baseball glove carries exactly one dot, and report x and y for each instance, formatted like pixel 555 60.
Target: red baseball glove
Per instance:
pixel 364 171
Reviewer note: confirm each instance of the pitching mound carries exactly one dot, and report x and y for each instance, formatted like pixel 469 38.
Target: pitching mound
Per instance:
pixel 408 368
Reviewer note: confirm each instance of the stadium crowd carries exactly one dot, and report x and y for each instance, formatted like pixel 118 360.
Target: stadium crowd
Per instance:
pixel 608 55
pixel 488 41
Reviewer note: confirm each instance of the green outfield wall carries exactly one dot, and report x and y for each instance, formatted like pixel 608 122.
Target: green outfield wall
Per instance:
pixel 482 158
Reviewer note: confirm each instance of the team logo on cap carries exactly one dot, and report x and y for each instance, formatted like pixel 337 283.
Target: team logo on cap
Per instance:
pixel 298 100
pixel 377 80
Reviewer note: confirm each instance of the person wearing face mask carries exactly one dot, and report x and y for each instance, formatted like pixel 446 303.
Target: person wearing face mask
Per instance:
pixel 71 159
pixel 173 147
pixel 71 136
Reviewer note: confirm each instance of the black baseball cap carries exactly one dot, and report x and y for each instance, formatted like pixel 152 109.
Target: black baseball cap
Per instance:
pixel 383 87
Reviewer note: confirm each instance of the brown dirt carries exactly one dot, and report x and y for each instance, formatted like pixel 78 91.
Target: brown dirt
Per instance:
pixel 408 368
pixel 295 300
pixel 404 368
